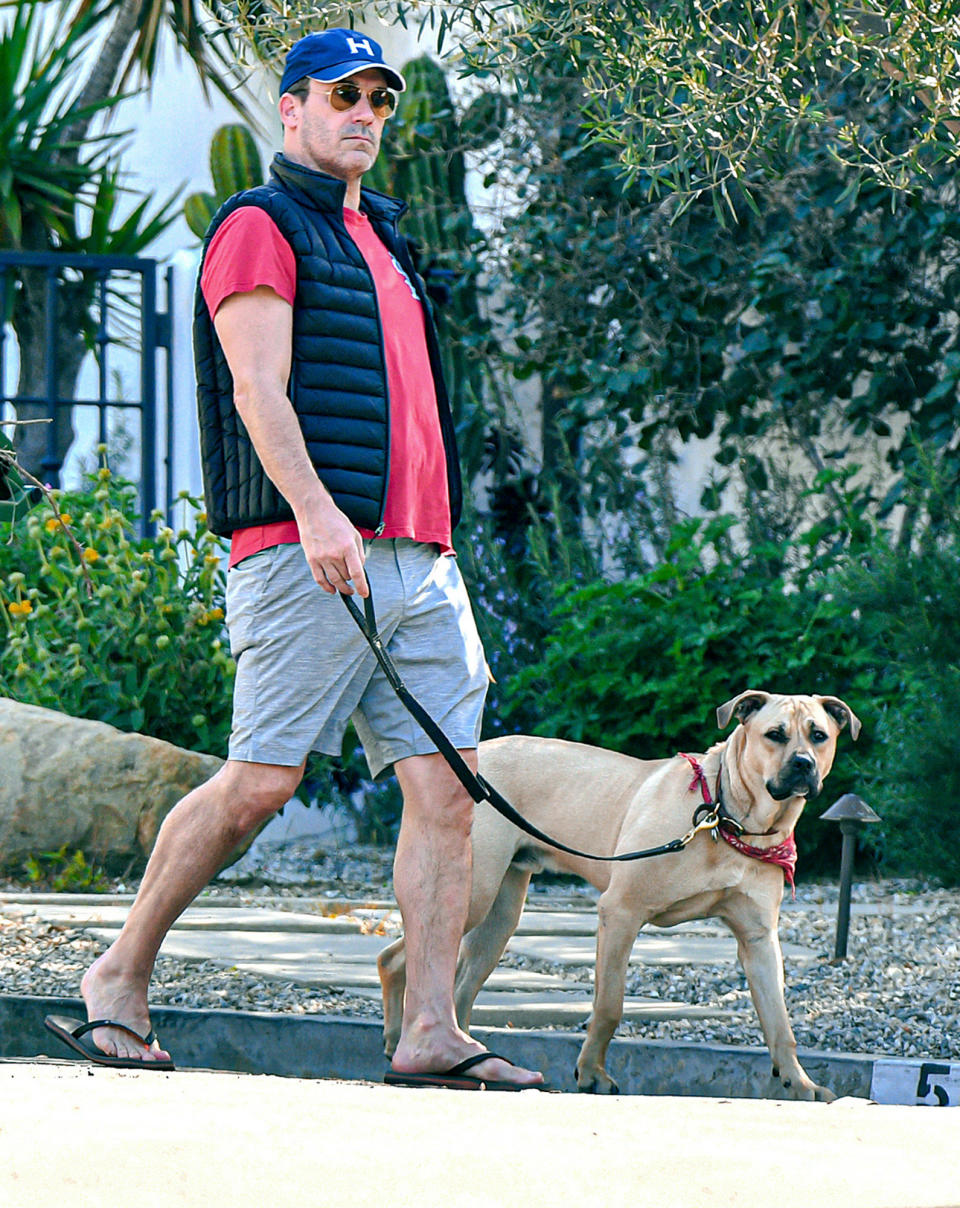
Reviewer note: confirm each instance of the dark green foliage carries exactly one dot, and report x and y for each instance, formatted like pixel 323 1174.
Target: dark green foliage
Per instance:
pixel 815 327
pixel 907 603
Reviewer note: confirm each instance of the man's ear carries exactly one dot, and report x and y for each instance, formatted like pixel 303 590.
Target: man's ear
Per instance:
pixel 743 705
pixel 841 713
pixel 289 108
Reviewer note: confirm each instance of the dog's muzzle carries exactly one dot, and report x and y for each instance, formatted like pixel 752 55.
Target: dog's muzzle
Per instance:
pixel 799 777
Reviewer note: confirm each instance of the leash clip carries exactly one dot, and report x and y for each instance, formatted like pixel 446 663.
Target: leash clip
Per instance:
pixel 709 822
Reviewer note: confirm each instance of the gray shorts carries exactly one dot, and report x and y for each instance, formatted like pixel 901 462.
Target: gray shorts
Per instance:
pixel 304 669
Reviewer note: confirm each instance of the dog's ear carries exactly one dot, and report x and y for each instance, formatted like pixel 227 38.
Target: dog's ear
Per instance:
pixel 841 713
pixel 742 706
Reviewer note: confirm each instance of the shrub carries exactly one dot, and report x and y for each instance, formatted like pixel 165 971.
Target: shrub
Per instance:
pixel 908 602
pixel 103 624
pixel 65 871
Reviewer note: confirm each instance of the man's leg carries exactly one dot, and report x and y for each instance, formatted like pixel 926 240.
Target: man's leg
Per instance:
pixel 196 837
pixel 432 882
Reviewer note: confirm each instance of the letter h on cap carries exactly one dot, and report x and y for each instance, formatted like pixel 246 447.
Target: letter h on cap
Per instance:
pixel 356 45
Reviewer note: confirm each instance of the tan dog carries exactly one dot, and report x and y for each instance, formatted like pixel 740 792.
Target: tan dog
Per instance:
pixel 600 801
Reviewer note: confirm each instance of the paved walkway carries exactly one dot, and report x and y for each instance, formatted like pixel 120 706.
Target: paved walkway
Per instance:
pixel 325 943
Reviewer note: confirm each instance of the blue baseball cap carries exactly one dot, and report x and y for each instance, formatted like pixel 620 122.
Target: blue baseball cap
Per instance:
pixel 334 55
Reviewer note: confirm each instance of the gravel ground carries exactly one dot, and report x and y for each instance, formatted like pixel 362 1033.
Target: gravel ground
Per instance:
pixel 897 994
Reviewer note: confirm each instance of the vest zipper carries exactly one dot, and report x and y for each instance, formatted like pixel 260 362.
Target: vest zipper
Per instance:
pixel 381 525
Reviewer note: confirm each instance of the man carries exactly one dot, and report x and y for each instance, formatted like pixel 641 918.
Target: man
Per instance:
pixel 329 459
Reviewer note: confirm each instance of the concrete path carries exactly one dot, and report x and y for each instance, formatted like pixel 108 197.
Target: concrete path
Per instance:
pixel 89 1138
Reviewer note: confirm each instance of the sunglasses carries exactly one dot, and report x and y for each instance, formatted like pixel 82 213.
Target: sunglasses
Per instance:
pixel 344 96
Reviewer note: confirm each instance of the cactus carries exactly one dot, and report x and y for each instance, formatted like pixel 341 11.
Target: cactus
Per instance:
pixel 422 162
pixel 235 164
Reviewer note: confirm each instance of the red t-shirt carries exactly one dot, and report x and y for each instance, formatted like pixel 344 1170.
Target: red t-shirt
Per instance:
pixel 247 251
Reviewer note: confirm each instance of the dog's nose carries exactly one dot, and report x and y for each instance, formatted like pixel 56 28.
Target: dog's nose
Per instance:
pixel 802 761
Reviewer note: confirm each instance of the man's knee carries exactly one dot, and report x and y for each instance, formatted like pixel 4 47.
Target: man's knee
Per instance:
pixel 433 791
pixel 258 790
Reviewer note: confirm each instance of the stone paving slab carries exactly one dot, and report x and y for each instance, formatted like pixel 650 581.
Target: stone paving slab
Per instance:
pixel 203 918
pixel 650 948
pixel 298 959
pixel 570 1009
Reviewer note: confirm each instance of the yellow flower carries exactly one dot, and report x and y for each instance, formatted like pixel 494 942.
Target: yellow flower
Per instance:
pixel 90 555
pixel 212 560
pixel 53 523
pixel 20 608
pixel 215 614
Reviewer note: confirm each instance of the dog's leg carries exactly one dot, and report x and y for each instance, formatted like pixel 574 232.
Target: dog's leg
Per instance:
pixel 392 967
pixel 483 946
pixel 758 947
pixel 617 927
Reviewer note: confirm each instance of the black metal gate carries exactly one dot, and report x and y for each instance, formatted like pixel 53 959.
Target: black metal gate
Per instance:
pixel 123 286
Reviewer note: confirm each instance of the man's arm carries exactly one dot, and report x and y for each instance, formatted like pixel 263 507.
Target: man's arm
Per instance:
pixel 256 333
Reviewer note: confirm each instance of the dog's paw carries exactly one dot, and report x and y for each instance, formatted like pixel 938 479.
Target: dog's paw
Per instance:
pixel 802 1088
pixel 599 1083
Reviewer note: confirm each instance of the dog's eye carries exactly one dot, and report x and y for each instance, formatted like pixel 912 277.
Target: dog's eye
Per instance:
pixel 818 735
pixel 776 736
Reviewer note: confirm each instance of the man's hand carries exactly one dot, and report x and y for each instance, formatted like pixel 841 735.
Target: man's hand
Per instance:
pixel 333 548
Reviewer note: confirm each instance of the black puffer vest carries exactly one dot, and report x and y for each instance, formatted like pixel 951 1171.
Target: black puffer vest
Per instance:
pixel 338 382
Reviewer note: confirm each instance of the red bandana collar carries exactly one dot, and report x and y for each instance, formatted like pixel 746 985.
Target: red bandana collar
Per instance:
pixel 783 854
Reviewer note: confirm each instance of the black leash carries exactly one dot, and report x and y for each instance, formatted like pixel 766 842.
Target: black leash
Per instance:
pixel 478 788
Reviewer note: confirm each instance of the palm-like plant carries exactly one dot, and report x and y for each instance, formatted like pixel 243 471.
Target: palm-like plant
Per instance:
pixel 135 28
pixel 41 171
pixel 63 64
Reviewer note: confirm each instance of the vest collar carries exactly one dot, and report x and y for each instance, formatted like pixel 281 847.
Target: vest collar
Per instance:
pixel 320 191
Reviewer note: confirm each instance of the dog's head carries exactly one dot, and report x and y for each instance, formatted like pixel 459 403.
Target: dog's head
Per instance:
pixel 790 741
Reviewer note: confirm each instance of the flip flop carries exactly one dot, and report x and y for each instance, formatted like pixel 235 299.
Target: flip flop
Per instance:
pixel 457 1079
pixel 73 1033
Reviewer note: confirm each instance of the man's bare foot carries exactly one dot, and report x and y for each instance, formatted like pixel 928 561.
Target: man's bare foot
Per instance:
pixel 423 1052
pixel 111 997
